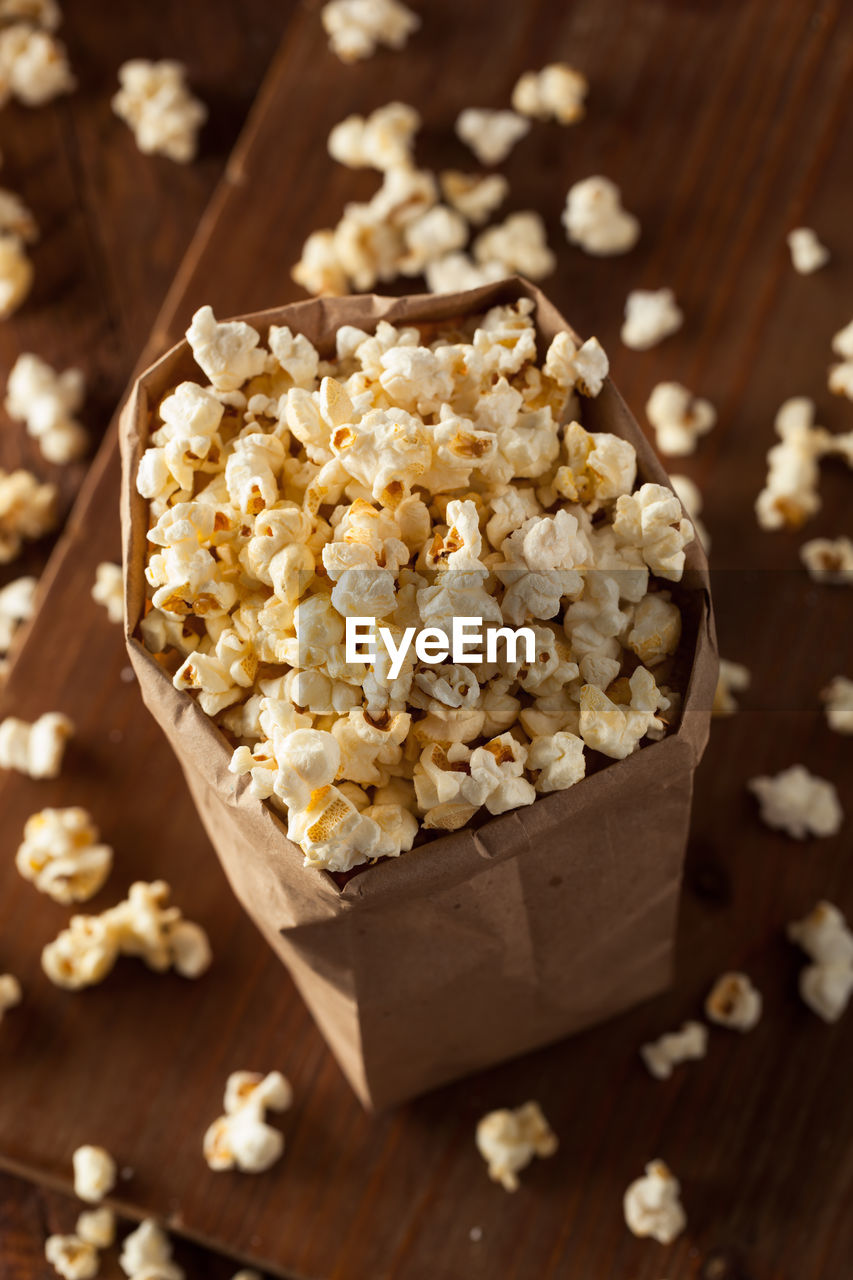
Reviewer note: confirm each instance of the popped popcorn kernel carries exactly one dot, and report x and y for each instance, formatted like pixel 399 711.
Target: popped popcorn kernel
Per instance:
pixel 650 316
pixel 826 985
pixel 241 1138
pixel 383 140
pixel 491 135
pixel 33 66
pixel 595 220
pixel 519 244
pixel 509 1140
pixel 829 560
pixel 807 252
pixel 39 13
pixel 94 1173
pixel 61 856
pixel 476 196
pixel 47 403
pixel 28 510
pixel 10 993
pixel 733 678
pixel 156 103
pixel 837 698
pixel 679 418
pixel 147 1252
pixel 661 1056
pixel 798 803
pixel 16 274
pixel 71 1257
pixel 108 590
pixel 35 749
pixel 790 494
pixel 734 1002
pixel 556 92
pixel 97 1227
pixel 690 497
pixel 356 28
pixel 652 1205
pixel 17 604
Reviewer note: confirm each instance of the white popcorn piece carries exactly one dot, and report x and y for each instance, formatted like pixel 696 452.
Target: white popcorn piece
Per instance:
pixel 154 100
pixel 356 28
pixel 790 495
pixel 650 316
pixel 45 14
pixel 435 234
pixel 829 560
pixel 690 497
pixel 10 993
pixel 841 375
pixel 71 1257
pixel 61 856
pixel 807 252
pixel 652 1205
pixel 455 272
pixel 16 274
pixel 94 1173
pixel 798 803
pixel 28 510
pixel 475 195
pixel 228 352
pixel 837 698
pixel 661 1056
pixel 35 749
pixel 827 989
pixel 241 1138
pixel 651 520
pixel 108 590
pixel 656 629
pixel 519 244
pixel 826 985
pixel 47 402
pixel 319 270
pixel 17 604
pixel 559 758
pixel 146 1254
pixel 557 92
pixel 733 678
pixel 33 66
pixel 595 220
pixel 382 141
pixel 509 1140
pixel 679 418
pixel 97 1227
pixel 15 218
pixel 616 729
pixel 491 135
pixel 734 1002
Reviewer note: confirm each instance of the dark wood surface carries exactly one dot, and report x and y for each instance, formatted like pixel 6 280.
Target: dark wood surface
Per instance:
pixel 725 126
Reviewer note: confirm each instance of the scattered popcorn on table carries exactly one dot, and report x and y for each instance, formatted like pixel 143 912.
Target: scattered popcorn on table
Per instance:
pixel 383 141
pixel 595 220
pixel 679 418
pixel 837 698
pixel 94 1173
pixel 46 402
pixel 17 602
pixel 650 316
pixel 10 993
pixel 475 195
pixel 508 1141
pixel 826 985
pixel 829 560
pixel 142 925
pixel 27 511
pixel 557 92
pixel 670 1050
pixel 156 103
pixel 33 66
pixel 690 497
pixel 652 1205
pixel 61 856
pixel 428 481
pixel 491 135
pixel 97 1227
pixel 807 252
pixel 108 590
pixel 35 749
pixel 71 1257
pixel 519 244
pixel 146 1254
pixel 356 28
pixel 797 802
pixel 241 1138
pixel 790 494
pixel 733 678
pixel 734 1002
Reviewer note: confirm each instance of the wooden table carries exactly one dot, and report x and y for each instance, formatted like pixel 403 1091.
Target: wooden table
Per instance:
pixel 725 128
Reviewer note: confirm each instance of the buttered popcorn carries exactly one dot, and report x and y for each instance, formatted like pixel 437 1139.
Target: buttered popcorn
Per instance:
pixel 34 65
pixel 156 103
pixel 241 1138
pixel 17 230
pixel 650 316
pixel 557 92
pixel 410 481
pixel 10 993
pixel 94 1173
pixel 146 1254
pixel 61 856
pixel 509 1140
pixel 734 1002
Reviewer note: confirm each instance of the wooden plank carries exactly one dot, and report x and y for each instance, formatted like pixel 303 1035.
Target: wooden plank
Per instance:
pixel 724 127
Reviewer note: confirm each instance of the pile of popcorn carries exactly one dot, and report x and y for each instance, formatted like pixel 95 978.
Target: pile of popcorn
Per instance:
pixel 412 479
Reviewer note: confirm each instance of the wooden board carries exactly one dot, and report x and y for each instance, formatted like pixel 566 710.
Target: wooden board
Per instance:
pixel 725 127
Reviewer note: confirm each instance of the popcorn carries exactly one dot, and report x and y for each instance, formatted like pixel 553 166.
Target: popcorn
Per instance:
pixel 27 510
pixel 97 1227
pixel 556 92
pixel 61 856
pixel 669 1051
pixel 508 1141
pixel 47 402
pixel 615 729
pixel 356 28
pixel 39 13
pixel 595 220
pixel 652 1205
pixel 146 1254
pixel 241 1138
pixel 15 218
pixel 650 316
pixel 94 1173
pixel 10 993
pixel 807 252
pixel 431 237
pixel 733 678
pixel 690 497
pixel 679 418
pixel 142 925
pixel 651 521
pixel 228 353
pixel 71 1257
pixel 656 629
pixel 35 749
pixel 837 698
pixel 17 604
pixel 519 244
pixel 559 759
pixel 319 270
pixel 826 985
pixel 584 368
pixel 382 141
pixel 475 196
pixel 734 1002
pixel 491 135
pixel 454 272
pixel 155 102
pixel 790 494
pixel 829 560
pixel 16 273
pixel 798 803
pixel 108 590
pixel 33 66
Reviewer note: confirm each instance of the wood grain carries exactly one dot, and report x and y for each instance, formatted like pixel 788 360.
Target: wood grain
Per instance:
pixel 725 127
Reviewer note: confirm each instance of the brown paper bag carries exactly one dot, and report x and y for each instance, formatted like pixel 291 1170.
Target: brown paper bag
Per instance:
pixel 487 942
